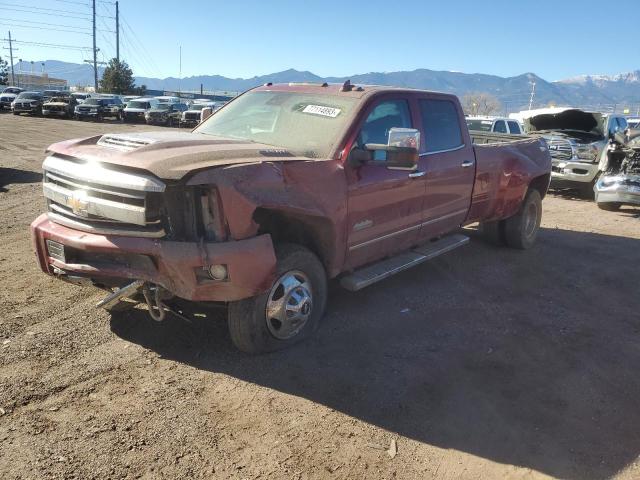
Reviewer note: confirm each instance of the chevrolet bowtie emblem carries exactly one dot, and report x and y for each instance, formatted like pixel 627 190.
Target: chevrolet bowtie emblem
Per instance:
pixel 78 203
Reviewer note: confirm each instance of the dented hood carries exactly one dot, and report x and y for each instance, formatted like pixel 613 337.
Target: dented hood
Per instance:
pixel 572 119
pixel 170 155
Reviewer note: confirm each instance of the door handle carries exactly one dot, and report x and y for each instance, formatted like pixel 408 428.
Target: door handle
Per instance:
pixel 417 174
pixel 467 164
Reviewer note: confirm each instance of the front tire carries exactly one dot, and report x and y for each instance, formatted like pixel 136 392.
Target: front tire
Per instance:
pixel 609 206
pixel 289 312
pixel 521 230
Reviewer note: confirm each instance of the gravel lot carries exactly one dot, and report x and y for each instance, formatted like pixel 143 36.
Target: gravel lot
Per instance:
pixel 487 363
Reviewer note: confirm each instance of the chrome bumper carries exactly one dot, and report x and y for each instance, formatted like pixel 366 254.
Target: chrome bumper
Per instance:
pixel 571 171
pixel 618 189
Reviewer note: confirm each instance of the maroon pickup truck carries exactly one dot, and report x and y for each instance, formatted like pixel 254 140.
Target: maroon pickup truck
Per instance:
pixel 285 187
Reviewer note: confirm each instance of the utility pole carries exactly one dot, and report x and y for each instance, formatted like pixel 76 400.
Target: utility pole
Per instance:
pixel 533 94
pixel 180 74
pixel 117 33
pixel 13 75
pixel 95 50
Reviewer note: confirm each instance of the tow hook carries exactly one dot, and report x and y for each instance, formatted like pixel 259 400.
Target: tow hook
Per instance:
pixel 153 297
pixel 124 292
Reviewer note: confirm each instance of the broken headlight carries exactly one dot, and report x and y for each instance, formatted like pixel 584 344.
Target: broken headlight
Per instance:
pixel 213 224
pixel 587 153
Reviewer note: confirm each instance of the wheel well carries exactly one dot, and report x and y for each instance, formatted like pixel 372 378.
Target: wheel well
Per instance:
pixel 541 184
pixel 314 233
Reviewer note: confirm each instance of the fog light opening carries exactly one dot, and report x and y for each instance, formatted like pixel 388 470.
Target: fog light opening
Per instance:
pixel 218 273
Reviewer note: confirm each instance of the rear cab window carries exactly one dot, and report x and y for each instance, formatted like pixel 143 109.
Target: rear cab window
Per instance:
pixel 514 128
pixel 500 127
pixel 441 125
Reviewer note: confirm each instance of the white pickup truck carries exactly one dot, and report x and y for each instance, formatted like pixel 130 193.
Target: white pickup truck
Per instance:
pixel 578 142
pixel 494 124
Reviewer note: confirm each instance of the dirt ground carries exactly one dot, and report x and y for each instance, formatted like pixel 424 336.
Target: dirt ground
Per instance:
pixel 486 363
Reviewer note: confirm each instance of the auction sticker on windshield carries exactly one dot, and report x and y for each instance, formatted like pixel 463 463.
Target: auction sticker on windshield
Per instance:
pixel 320 110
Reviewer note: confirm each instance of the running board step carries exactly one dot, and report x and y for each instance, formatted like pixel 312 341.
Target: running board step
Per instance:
pixel 390 266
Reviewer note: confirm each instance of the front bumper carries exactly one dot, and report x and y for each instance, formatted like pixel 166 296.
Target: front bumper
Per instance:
pixel 134 116
pixel 56 113
pixel 571 172
pixel 32 110
pixel 625 191
pixel 176 266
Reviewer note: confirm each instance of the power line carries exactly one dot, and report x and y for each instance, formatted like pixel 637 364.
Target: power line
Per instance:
pixel 44 28
pixel 53 24
pixel 48 11
pixel 72 2
pixel 52 45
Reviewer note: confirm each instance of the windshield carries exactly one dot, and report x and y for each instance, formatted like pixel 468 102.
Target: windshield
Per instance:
pixel 138 105
pixel 11 90
pixel 162 106
pixel 59 100
pixel 93 101
pixel 197 106
pixel 31 95
pixel 306 124
pixel 481 125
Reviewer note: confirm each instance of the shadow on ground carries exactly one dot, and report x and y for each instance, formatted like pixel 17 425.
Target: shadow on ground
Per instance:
pixel 12 175
pixel 523 358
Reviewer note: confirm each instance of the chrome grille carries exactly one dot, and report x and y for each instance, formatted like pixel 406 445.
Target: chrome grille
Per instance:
pixel 560 149
pixel 91 198
pixel 192 116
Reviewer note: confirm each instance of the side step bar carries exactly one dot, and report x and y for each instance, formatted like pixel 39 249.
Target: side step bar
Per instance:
pixel 403 261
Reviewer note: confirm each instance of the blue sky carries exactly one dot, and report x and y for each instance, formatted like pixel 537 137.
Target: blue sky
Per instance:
pixel 555 39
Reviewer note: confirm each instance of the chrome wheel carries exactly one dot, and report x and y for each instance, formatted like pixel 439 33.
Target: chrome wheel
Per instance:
pixel 530 219
pixel 289 305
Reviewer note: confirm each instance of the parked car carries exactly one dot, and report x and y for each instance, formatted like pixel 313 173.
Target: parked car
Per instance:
pixel 47 94
pixel 193 115
pixel 134 110
pixel 168 99
pixel 60 106
pixel 284 188
pixel 634 123
pixel 28 102
pixel 620 182
pixel 165 114
pixel 127 98
pixel 97 109
pixel 578 144
pixel 80 96
pixel 8 95
pixel 494 124
pixel 115 106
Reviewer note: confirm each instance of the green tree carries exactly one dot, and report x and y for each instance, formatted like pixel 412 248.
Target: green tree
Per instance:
pixel 117 78
pixel 4 72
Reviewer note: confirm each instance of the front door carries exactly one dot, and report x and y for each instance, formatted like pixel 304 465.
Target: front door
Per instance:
pixel 385 206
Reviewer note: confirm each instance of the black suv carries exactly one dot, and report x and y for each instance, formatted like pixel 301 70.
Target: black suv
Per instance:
pixel 98 109
pixel 168 114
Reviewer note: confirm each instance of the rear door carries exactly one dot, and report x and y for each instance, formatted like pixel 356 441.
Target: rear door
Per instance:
pixel 385 206
pixel 449 162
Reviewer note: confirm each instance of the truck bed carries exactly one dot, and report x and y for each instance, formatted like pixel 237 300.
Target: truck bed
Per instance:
pixel 482 138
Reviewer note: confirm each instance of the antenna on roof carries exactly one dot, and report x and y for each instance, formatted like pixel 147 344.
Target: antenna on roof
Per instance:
pixel 268 84
pixel 346 86
pixel 325 84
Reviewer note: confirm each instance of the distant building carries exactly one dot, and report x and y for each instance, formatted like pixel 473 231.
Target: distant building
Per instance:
pixel 38 82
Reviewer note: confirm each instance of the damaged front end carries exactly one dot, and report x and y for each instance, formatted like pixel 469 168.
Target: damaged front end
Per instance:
pixel 620 183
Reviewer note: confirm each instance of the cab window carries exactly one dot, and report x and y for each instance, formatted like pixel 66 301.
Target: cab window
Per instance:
pixel 500 127
pixel 384 116
pixel 441 124
pixel 514 128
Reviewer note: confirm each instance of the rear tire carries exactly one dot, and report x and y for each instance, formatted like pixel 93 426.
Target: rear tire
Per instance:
pixel 609 206
pixel 521 230
pixel 298 296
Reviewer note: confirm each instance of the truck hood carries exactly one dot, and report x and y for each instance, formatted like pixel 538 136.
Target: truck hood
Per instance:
pixel 567 120
pixel 170 155
pixel 57 104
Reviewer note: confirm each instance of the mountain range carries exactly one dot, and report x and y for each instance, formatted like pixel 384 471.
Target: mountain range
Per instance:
pixel 600 92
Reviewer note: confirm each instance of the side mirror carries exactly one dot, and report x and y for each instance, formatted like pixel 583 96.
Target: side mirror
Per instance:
pixel 401 149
